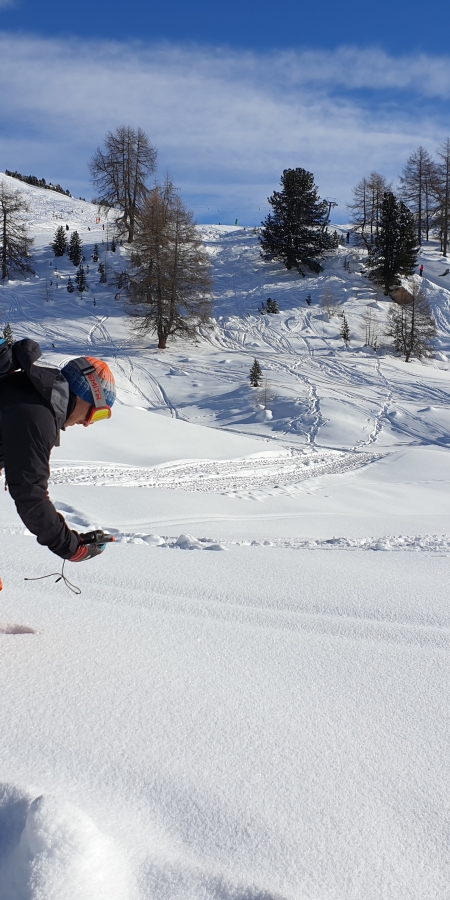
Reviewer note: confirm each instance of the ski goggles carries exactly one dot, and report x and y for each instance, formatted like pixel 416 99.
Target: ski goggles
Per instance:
pixel 96 414
pixel 99 409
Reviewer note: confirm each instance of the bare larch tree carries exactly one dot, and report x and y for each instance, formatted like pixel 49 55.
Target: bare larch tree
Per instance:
pixel 412 325
pixel 15 244
pixel 417 189
pixel 366 207
pixel 120 172
pixel 170 284
pixel 442 191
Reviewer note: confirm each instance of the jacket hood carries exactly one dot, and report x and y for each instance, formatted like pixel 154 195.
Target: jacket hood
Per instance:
pixel 49 382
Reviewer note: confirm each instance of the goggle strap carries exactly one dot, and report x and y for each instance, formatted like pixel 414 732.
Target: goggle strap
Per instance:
pixel 87 369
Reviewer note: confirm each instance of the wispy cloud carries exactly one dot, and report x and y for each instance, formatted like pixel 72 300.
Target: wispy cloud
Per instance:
pixel 225 123
pixel 5 4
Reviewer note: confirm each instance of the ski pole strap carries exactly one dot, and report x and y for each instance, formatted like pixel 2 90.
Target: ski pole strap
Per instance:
pixel 60 577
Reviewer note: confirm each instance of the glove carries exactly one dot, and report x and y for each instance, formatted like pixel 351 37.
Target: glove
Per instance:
pixel 91 544
pixel 87 551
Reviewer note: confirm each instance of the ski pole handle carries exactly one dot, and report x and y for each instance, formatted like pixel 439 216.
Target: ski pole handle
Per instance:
pixel 97 537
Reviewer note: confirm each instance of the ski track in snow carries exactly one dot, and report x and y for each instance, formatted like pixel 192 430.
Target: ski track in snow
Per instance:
pixel 299 348
pixel 428 543
pixel 218 476
pixel 135 368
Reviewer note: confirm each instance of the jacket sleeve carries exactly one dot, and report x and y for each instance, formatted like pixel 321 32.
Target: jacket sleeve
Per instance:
pixel 6 358
pixel 29 434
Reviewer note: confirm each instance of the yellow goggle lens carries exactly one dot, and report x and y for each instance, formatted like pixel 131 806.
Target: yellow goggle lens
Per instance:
pixel 98 414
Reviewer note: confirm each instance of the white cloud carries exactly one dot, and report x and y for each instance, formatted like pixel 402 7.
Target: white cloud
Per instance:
pixel 225 123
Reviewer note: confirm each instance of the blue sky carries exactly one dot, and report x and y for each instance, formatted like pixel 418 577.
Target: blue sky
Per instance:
pixel 252 24
pixel 229 93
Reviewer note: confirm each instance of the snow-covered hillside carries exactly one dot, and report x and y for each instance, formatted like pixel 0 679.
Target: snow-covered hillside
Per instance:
pixel 267 722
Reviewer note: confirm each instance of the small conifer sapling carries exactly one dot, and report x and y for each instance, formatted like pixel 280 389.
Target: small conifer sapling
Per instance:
pixel 8 335
pixel 345 331
pixel 80 279
pixel 255 374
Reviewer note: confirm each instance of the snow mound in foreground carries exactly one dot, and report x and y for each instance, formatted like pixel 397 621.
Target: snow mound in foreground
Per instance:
pixel 61 855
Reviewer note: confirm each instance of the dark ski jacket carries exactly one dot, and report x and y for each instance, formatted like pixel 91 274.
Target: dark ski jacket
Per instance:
pixel 35 403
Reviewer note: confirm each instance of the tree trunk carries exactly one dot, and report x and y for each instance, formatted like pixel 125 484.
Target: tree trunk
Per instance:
pixel 131 227
pixel 162 341
pixel 446 209
pixel 419 213
pixel 4 255
pixel 412 332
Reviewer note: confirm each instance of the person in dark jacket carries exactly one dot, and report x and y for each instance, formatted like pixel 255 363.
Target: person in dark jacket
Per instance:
pixel 36 402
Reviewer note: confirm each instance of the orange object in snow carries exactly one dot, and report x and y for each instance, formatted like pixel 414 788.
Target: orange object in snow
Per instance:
pixel 1 584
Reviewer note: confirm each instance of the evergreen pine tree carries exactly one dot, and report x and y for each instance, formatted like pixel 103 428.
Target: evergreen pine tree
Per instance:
pixel 70 286
pixel 75 251
pixel 8 335
pixel 95 255
pixel 80 279
pixel 255 374
pixel 394 251
pixel 102 271
pixel 345 331
pixel 295 232
pixel 59 245
pixel 408 249
pixel 272 306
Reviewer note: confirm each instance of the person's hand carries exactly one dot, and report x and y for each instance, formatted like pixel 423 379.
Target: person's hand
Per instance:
pixel 87 551
pixel 91 544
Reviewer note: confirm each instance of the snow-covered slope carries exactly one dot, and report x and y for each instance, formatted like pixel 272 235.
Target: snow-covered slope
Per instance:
pixel 266 722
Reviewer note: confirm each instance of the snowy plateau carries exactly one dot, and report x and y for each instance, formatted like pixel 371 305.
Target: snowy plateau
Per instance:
pixel 269 720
